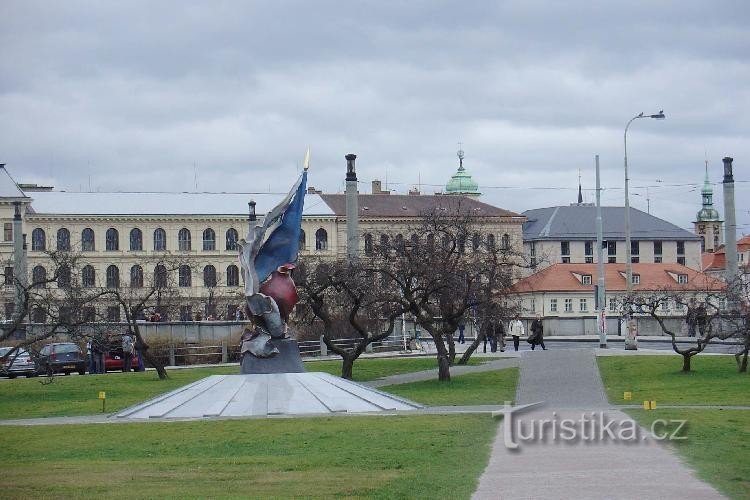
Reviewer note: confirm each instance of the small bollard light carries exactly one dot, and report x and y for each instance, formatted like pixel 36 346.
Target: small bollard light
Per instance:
pixel 627 395
pixel 103 397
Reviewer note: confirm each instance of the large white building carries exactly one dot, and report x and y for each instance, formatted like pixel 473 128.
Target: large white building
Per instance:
pixel 117 234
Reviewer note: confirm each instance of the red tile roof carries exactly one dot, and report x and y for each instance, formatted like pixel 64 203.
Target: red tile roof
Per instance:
pixel 563 278
pixel 717 261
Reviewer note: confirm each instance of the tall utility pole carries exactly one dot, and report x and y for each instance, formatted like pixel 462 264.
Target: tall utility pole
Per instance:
pixel 600 290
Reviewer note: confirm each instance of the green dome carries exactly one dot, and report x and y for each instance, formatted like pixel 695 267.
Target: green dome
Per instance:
pixel 462 183
pixel 707 215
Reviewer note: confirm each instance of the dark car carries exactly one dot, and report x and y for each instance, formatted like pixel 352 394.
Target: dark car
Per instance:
pixel 64 357
pixel 18 363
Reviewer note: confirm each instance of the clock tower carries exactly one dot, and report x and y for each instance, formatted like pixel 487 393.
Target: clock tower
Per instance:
pixel 708 224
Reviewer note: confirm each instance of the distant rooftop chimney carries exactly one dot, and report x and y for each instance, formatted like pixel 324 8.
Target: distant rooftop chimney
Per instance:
pixel 377 188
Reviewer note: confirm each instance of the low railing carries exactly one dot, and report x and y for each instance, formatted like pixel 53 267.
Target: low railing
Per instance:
pixel 185 355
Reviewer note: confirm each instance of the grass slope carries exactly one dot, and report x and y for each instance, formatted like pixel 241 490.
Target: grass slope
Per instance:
pixel 484 388
pixel 713 380
pixel 374 457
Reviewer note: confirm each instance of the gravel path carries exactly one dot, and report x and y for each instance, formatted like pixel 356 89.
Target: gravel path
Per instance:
pixel 563 379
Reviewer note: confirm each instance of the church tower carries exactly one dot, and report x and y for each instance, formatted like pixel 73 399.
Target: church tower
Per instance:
pixel 708 223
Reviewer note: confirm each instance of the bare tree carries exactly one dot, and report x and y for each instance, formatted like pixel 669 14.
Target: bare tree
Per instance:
pixel 443 270
pixel 51 303
pixel 349 302
pixel 704 313
pixel 153 285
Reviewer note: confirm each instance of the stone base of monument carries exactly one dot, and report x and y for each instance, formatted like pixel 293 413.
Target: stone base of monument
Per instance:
pixel 287 360
pixel 267 395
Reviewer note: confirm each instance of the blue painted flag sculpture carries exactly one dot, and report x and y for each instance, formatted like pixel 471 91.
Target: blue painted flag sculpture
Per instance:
pixel 266 263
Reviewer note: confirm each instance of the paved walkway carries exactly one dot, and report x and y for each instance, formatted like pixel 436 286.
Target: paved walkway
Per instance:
pixel 545 466
pixel 404 378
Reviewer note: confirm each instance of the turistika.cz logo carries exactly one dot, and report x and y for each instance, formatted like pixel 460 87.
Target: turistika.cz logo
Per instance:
pixel 589 426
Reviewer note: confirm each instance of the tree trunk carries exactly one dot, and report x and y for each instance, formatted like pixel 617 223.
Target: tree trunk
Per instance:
pixel 741 358
pixel 686 362
pixel 444 368
pixel 145 352
pixel 470 350
pixel 347 366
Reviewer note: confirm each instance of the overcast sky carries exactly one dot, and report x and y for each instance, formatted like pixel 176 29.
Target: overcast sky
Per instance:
pixel 123 96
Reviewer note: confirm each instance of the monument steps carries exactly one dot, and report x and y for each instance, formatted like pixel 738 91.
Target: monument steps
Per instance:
pixel 271 394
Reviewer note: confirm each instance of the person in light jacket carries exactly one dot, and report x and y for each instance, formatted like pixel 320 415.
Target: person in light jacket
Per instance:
pixel 516 330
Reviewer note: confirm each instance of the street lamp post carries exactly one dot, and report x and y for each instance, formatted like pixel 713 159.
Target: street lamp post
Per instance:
pixel 628 252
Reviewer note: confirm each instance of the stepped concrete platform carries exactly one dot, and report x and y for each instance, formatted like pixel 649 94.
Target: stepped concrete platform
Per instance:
pixel 260 395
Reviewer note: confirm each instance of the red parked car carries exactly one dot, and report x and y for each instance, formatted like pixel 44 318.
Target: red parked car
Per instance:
pixel 114 361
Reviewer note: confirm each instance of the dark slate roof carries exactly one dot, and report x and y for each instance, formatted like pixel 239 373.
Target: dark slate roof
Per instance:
pixel 395 205
pixel 578 222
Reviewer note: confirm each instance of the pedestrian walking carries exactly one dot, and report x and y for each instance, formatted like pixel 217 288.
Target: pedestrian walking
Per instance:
pixel 127 352
pixel 89 356
pixel 461 328
pixel 537 333
pixel 98 347
pixel 691 318
pixel 487 331
pixel 701 319
pixel 500 335
pixel 516 331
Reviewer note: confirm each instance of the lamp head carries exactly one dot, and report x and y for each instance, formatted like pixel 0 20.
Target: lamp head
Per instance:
pixel 659 115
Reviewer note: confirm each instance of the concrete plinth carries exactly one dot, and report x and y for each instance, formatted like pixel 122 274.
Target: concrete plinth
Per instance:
pixel 262 395
pixel 288 360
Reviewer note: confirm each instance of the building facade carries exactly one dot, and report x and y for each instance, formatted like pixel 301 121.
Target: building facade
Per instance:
pixel 567 235
pixel 120 236
pixel 564 295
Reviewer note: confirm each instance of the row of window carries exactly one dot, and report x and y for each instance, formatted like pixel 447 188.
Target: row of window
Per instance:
pixel 583 305
pixel 112 239
pixel 113 313
pixel 635 250
pixel 184 240
pixel 88 276
pixel 476 242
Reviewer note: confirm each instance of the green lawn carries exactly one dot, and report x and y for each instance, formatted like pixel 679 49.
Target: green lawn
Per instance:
pixel 713 380
pixel 375 368
pixel 484 388
pixel 717 445
pixel 77 395
pixel 379 457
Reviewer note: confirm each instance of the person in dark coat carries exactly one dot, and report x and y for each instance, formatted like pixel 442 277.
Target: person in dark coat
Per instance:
pixel 701 319
pixel 499 332
pixel 537 333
